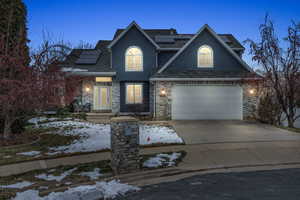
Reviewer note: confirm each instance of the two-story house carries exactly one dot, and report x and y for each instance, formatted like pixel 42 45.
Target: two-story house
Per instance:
pixel 166 74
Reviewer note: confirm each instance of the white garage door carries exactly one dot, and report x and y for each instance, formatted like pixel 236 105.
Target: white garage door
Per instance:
pixel 206 102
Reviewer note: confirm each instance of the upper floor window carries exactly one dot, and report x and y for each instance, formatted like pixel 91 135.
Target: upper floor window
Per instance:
pixel 205 56
pixel 134 59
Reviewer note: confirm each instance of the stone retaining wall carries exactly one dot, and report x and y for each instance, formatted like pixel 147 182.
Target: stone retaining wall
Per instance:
pixel 124 145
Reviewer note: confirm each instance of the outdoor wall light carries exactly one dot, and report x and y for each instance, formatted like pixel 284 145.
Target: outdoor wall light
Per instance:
pixel 163 92
pixel 87 89
pixel 252 91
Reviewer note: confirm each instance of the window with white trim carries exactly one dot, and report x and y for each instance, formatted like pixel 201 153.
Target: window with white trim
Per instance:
pixel 134 59
pixel 134 93
pixel 205 56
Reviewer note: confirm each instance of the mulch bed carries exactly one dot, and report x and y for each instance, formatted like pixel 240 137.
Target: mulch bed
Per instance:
pixel 18 139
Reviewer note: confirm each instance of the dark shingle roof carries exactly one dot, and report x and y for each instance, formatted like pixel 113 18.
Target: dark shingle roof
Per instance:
pixel 233 42
pixel 181 39
pixel 151 32
pixel 102 64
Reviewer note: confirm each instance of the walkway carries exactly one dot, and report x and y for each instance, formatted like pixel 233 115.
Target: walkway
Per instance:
pixel 199 157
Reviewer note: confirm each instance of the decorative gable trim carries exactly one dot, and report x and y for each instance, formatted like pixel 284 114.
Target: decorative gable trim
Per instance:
pixel 205 27
pixel 126 30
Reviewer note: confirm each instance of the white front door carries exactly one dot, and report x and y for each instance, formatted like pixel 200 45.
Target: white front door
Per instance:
pixel 213 102
pixel 102 98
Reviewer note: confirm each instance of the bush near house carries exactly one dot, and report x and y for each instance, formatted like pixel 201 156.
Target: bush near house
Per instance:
pixel 268 110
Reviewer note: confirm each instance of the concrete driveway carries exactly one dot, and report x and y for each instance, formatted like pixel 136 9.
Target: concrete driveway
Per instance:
pixel 199 132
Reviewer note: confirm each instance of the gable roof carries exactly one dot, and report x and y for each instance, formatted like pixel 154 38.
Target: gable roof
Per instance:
pixel 132 24
pixel 205 27
pixel 180 39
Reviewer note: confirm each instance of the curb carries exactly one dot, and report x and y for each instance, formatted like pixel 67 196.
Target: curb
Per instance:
pixel 156 176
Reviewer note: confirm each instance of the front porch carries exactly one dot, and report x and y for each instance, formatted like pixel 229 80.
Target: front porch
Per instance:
pixel 102 94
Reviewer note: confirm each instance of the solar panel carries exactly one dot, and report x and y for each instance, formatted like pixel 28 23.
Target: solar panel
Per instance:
pixel 183 37
pixel 225 39
pixel 164 39
pixel 88 57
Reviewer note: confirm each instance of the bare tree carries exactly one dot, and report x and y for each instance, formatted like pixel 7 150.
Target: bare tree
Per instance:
pixel 84 45
pixel 280 62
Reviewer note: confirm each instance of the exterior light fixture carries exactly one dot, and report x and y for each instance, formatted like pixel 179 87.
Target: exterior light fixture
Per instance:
pixel 87 89
pixel 163 92
pixel 252 91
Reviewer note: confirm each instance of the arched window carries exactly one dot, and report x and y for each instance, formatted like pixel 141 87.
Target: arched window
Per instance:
pixel 205 56
pixel 134 59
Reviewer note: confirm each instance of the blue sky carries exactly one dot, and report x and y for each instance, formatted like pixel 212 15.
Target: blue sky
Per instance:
pixel 91 20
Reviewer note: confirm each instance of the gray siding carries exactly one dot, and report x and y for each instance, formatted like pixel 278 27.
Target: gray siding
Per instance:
pixel 133 38
pixel 223 60
pixel 164 56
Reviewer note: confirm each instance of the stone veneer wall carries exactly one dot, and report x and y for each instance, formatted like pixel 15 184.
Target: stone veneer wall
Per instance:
pixel 124 145
pixel 115 90
pixel 151 97
pixel 87 97
pixel 163 103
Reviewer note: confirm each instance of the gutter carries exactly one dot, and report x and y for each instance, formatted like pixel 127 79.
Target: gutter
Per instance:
pixel 202 79
pixel 92 73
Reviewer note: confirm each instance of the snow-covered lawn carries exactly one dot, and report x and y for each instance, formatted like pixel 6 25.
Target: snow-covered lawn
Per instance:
pixel 30 153
pixel 50 177
pixel 37 120
pixel 88 192
pixel 19 185
pixel 96 137
pixel 162 159
pixel 93 175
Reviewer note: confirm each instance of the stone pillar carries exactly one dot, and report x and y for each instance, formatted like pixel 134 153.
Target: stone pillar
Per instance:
pixel 124 145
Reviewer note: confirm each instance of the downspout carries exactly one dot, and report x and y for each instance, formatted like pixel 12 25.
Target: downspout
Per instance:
pixel 154 114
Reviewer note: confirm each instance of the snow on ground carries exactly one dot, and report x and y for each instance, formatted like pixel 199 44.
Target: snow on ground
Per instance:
pixel 95 137
pixel 152 134
pixel 88 192
pixel 7 157
pixel 50 177
pixel 30 153
pixel 162 159
pixel 93 175
pixel 70 69
pixel 19 185
pixel 37 120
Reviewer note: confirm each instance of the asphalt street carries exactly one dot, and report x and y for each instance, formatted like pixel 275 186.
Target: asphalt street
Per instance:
pixel 261 185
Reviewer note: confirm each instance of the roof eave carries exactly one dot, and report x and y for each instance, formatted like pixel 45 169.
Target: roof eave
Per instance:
pixel 203 79
pixel 91 73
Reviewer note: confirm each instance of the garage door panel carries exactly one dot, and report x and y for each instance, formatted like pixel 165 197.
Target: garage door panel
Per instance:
pixel 206 102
